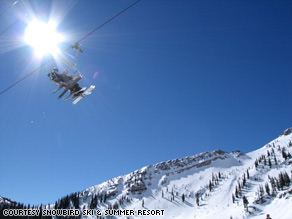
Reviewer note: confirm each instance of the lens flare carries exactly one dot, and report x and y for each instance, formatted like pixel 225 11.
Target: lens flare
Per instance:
pixel 95 75
pixel 43 37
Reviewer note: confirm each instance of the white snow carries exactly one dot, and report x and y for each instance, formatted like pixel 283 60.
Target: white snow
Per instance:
pixel 166 182
pixel 163 185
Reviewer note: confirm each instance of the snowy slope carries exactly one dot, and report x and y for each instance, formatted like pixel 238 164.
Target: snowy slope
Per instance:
pixel 163 185
pixel 207 185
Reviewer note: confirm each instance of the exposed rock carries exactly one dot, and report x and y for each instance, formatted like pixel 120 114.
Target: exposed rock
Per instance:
pixel 287 132
pixel 138 188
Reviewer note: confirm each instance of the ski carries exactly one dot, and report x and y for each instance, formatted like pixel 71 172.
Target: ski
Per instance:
pixel 56 90
pixel 87 92
pixel 69 87
pixel 71 95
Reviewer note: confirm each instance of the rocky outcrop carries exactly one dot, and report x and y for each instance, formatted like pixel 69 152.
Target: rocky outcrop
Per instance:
pixel 287 132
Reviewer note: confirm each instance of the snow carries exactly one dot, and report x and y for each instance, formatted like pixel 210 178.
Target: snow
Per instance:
pixel 162 186
pixel 166 182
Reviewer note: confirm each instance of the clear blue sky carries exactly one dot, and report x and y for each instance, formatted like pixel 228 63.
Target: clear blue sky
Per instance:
pixel 175 78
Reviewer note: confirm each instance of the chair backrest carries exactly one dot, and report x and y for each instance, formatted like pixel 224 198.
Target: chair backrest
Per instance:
pixel 55 78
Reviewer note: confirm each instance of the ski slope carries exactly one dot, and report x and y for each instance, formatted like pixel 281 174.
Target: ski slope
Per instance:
pixel 161 186
pixel 204 186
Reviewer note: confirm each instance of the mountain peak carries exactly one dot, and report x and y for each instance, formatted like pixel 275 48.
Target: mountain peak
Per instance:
pixel 205 185
pixel 287 132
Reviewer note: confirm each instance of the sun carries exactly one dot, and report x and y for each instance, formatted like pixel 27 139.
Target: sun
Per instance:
pixel 43 37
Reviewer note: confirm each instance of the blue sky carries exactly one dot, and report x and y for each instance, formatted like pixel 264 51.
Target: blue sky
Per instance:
pixel 174 78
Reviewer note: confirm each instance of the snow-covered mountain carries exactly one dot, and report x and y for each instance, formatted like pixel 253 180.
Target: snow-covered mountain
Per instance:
pixel 213 184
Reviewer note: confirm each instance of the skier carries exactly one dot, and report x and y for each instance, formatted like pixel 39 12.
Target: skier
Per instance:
pixel 54 76
pixel 65 78
pixel 76 90
pixel 61 80
pixel 268 216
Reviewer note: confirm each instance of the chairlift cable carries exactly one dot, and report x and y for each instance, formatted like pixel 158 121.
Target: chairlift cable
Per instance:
pixel 14 22
pixel 41 66
pixel 9 27
pixel 19 19
pixel 10 6
pixel 29 74
pixel 118 14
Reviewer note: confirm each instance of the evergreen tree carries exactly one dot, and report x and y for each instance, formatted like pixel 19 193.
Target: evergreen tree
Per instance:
pixel 284 154
pixel 256 163
pixel 210 185
pixel 278 184
pixel 197 198
pixel 41 211
pixel 243 180
pixel 287 180
pixel 233 198
pixel 267 189
pixel 56 205
pixel 281 181
pixel 270 163
pixel 93 203
pixel 104 198
pixel 76 201
pixel 245 203
pixel 172 193
pixel 273 191
pixel 65 202
pixel 116 205
pixel 109 206
pixel 183 197
pixel 236 192
pixel 261 193
pixel 275 160
pixel 239 189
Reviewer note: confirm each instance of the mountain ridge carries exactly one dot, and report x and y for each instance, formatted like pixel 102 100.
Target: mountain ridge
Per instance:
pixel 204 185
